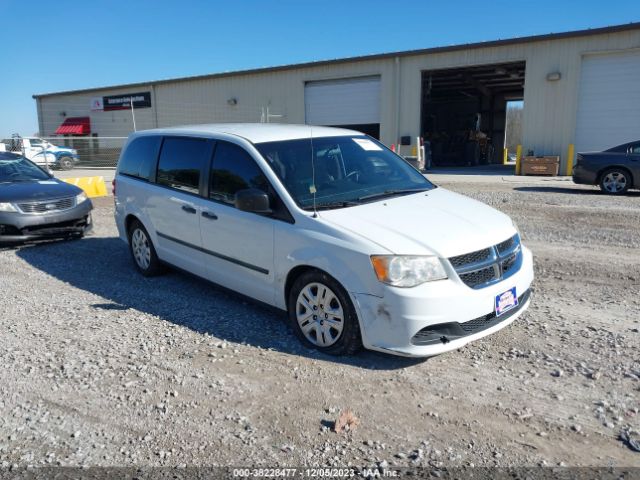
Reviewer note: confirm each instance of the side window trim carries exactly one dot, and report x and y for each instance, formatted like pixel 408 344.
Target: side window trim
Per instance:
pixel 203 172
pixel 205 181
pixel 284 216
pixel 211 165
pixel 154 161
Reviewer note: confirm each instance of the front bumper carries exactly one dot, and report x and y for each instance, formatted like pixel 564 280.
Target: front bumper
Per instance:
pixel 390 323
pixel 18 227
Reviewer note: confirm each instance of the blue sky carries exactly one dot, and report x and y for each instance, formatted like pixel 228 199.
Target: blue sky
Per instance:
pixel 65 45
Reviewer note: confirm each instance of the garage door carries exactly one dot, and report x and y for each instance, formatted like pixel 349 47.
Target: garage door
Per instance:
pixel 609 101
pixel 348 102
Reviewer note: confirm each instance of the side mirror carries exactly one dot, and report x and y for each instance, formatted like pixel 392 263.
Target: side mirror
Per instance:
pixel 252 200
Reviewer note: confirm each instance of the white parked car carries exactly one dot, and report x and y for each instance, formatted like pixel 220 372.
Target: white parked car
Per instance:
pixel 41 152
pixel 328 224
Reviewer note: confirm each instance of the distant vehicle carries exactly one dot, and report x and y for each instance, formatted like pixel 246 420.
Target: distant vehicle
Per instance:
pixel 42 153
pixel 353 242
pixel 35 206
pixel 615 170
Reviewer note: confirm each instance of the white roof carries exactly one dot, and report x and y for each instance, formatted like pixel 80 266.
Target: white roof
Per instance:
pixel 255 132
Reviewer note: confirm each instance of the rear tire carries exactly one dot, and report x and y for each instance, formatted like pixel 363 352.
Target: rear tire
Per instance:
pixel 142 251
pixel 322 314
pixel 65 163
pixel 615 181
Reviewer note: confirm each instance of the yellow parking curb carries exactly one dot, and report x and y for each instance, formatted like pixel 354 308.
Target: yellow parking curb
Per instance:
pixel 92 186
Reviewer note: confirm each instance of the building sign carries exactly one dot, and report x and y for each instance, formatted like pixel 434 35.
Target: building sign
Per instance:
pixel 96 103
pixel 123 102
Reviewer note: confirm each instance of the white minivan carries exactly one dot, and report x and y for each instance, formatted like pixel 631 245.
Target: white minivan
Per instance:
pixel 327 224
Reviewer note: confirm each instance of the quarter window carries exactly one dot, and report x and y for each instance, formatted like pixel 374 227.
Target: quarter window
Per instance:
pixel 233 170
pixel 182 161
pixel 139 158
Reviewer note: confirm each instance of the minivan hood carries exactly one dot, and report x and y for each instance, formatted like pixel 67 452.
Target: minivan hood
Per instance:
pixel 36 190
pixel 437 221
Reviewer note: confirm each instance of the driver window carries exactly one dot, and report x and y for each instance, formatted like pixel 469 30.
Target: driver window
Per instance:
pixel 635 149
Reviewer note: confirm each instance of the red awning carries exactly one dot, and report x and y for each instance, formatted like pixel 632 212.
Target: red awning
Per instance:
pixel 75 126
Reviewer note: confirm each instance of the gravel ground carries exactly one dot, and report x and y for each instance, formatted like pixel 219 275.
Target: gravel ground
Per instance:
pixel 102 367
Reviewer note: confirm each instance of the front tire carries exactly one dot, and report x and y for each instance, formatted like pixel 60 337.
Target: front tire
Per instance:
pixel 322 314
pixel 66 163
pixel 615 181
pixel 142 251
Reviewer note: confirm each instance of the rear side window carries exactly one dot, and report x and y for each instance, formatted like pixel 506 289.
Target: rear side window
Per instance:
pixel 234 169
pixel 139 158
pixel 182 161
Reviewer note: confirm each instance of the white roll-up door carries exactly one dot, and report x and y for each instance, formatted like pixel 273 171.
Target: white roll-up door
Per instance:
pixel 608 101
pixel 348 101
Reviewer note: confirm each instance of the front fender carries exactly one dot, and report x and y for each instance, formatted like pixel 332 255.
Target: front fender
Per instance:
pixel 349 266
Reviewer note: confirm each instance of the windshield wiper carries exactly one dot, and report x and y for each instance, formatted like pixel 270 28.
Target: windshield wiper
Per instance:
pixel 389 193
pixel 332 205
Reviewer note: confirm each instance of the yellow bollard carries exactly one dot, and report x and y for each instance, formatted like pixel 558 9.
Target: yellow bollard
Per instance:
pixel 570 153
pixel 92 186
pixel 505 156
pixel 518 158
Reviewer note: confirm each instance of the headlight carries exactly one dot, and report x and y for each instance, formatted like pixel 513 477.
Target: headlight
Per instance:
pixel 407 271
pixel 81 197
pixel 7 207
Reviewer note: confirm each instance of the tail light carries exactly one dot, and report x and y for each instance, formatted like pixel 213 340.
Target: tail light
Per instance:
pixel 113 187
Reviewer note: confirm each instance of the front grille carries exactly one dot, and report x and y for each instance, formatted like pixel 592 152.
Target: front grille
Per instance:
pixel 70 225
pixel 472 257
pixel 48 206
pixel 479 277
pixel 506 245
pixel 486 321
pixel 490 265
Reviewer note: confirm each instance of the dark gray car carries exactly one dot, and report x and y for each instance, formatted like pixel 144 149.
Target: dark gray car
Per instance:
pixel 615 170
pixel 34 205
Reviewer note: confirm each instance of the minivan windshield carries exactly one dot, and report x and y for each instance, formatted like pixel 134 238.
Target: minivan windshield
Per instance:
pixel 346 171
pixel 16 168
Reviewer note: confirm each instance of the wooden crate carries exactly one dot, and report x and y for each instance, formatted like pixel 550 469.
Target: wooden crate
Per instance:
pixel 547 165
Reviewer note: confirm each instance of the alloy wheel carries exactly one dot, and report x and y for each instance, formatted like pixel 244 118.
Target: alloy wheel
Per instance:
pixel 614 182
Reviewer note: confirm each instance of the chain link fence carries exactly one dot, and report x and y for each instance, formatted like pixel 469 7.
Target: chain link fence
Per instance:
pixel 67 152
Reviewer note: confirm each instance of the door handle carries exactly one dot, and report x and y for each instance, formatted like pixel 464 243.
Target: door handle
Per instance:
pixel 209 215
pixel 188 209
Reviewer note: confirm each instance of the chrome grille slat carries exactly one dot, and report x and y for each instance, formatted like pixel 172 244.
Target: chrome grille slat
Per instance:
pixel 489 265
pixel 473 257
pixel 48 206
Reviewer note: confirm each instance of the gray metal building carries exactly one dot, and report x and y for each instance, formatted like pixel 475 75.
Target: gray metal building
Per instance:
pixel 579 88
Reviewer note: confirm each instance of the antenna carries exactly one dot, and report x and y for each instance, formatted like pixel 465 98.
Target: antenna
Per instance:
pixel 312 188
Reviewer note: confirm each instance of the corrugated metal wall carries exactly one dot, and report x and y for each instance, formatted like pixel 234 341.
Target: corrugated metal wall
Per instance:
pixel 54 109
pixel 549 113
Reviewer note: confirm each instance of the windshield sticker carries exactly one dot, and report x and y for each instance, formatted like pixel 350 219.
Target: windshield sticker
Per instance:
pixel 366 144
pixel 47 182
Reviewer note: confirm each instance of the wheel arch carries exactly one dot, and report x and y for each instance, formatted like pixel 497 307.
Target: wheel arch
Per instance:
pixel 350 273
pixel 128 221
pixel 604 170
pixel 293 275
